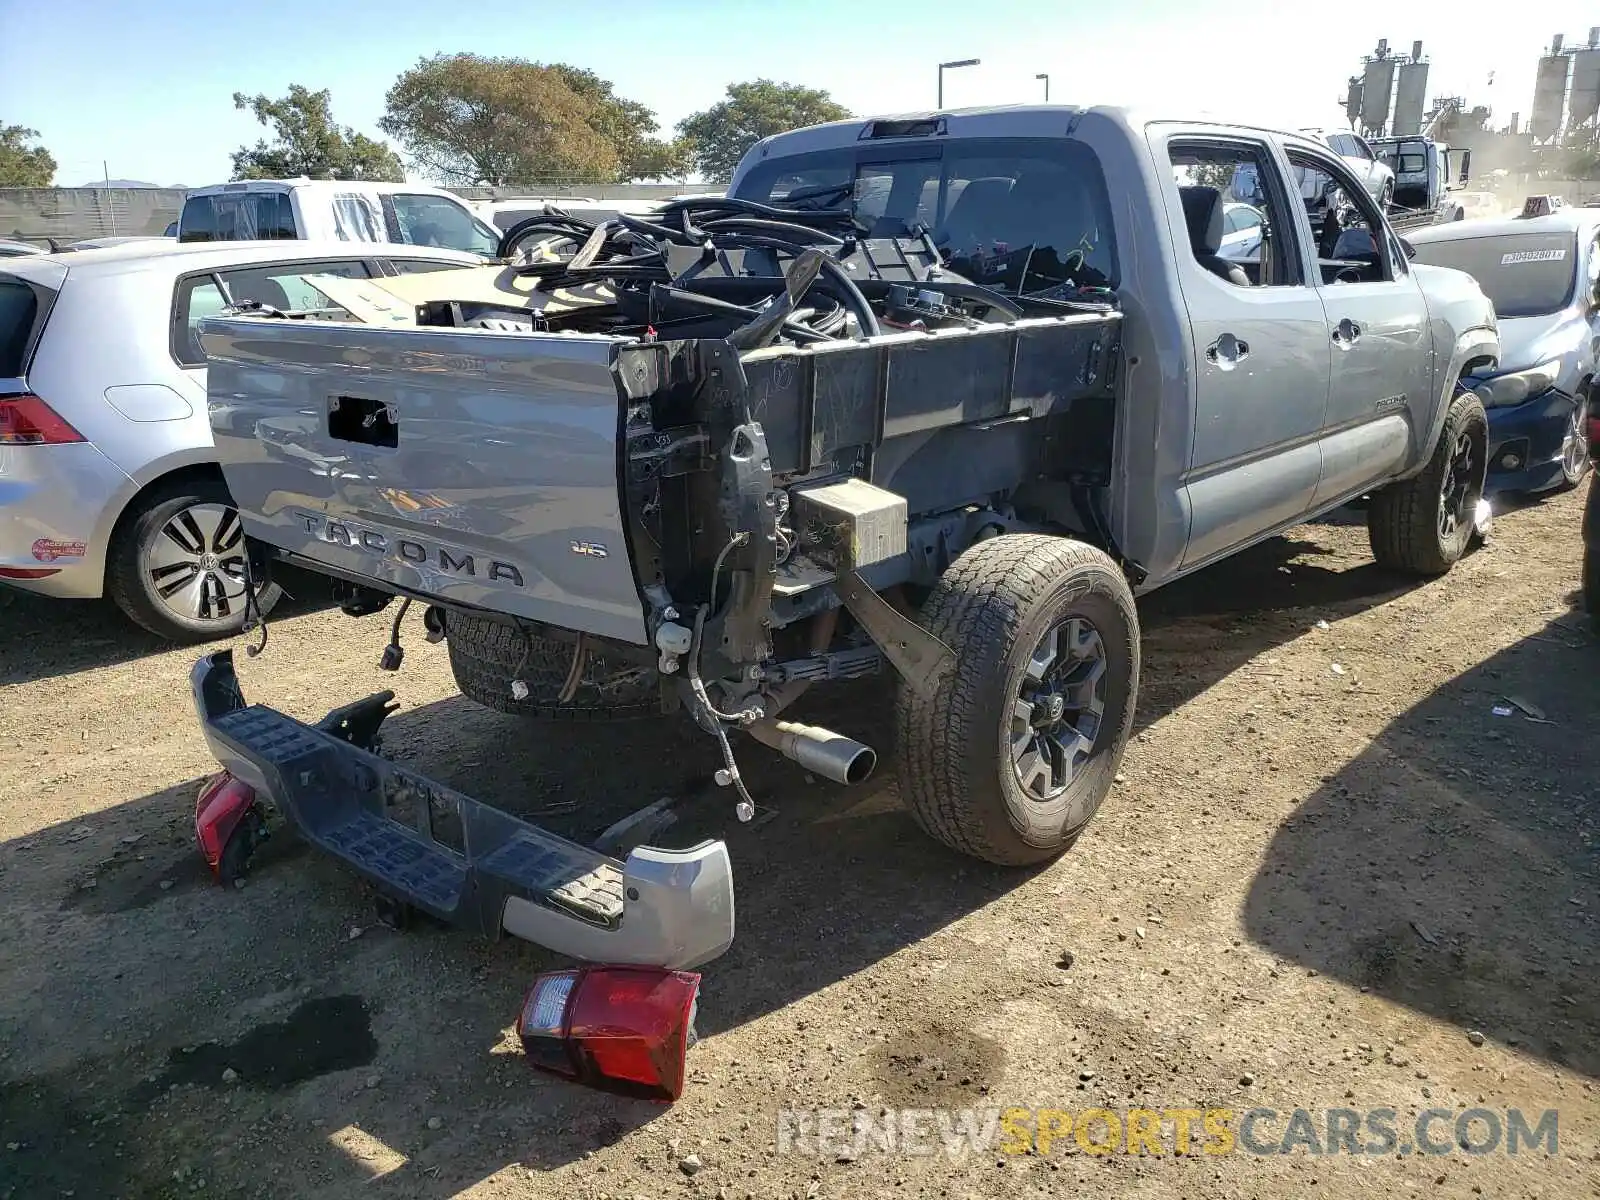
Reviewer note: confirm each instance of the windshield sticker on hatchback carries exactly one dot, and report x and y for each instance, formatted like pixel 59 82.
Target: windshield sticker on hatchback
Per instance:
pixel 1528 256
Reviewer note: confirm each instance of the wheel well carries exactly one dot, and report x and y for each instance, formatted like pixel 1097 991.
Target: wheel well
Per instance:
pixel 1472 366
pixel 193 471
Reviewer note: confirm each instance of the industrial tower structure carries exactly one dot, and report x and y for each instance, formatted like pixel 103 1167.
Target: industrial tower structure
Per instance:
pixel 1566 89
pixel 1387 97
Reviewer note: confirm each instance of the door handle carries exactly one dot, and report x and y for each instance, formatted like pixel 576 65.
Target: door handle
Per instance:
pixel 1346 334
pixel 1227 352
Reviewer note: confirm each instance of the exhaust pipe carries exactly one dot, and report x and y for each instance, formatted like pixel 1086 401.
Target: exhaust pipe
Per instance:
pixel 822 751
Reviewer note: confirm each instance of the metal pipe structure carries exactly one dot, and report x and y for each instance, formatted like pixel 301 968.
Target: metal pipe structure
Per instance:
pixel 1046 79
pixel 960 62
pixel 829 754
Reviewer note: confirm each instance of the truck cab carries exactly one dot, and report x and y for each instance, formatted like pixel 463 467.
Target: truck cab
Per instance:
pixel 1288 384
pixel 334 210
pixel 1425 173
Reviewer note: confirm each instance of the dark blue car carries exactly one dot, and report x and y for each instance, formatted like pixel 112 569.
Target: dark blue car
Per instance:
pixel 1541 272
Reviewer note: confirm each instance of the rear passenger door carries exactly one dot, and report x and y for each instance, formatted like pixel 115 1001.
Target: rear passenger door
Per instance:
pixel 1261 354
pixel 1381 390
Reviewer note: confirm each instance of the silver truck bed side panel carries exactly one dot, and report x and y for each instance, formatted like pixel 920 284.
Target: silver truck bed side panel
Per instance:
pixel 500 492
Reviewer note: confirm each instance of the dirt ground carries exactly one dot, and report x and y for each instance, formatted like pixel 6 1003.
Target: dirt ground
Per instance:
pixel 1330 876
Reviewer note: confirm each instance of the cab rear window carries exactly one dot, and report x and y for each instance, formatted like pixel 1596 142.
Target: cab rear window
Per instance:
pixel 19 311
pixel 237 217
pixel 1025 215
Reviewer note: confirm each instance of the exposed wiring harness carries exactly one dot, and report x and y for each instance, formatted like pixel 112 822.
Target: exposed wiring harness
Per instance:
pixel 580 659
pixel 746 807
pixel 704 267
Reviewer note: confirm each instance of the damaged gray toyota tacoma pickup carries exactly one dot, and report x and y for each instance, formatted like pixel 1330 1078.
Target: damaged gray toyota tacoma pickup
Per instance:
pixel 934 395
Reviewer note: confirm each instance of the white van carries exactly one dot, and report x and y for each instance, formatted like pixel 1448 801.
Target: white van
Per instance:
pixel 333 210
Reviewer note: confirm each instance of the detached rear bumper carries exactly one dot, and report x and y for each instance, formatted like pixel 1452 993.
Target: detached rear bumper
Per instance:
pixel 460 860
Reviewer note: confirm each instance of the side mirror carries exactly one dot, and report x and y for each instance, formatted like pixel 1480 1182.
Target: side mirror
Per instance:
pixel 1411 251
pixel 1466 165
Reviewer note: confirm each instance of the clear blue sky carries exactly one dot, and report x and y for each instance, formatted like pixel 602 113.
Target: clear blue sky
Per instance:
pixel 147 86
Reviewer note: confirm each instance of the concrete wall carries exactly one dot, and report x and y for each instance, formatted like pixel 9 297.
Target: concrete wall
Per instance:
pixel 69 214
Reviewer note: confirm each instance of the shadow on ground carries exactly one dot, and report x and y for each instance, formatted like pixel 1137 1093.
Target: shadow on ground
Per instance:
pixel 64 637
pixel 1454 866
pixel 272 976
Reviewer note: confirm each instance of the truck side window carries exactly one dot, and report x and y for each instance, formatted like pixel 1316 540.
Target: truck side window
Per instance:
pixel 1353 243
pixel 1235 221
pixel 425 220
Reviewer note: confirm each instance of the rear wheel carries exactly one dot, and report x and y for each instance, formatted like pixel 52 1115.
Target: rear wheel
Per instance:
pixel 1424 524
pixel 176 564
pixel 488 657
pixel 1014 752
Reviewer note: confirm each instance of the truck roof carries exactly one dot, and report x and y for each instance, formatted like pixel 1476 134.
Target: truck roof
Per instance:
pixel 346 185
pixel 1014 120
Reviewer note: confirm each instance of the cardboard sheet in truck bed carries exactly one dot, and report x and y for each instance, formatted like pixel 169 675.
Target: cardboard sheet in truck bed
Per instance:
pixel 393 301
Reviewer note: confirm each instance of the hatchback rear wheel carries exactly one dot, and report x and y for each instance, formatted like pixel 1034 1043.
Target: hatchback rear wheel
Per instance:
pixel 176 564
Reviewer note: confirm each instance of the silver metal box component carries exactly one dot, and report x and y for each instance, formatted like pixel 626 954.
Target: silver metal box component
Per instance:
pixel 849 525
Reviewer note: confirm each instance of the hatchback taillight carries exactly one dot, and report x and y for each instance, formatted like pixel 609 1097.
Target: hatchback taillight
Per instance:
pixel 26 420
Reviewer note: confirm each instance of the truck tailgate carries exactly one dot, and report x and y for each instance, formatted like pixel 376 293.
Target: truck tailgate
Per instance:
pixel 479 468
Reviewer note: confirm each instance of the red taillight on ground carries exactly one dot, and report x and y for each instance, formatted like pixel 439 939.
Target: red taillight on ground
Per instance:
pixel 619 1029
pixel 227 825
pixel 26 420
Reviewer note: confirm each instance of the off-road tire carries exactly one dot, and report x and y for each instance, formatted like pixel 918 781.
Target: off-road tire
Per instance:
pixel 126 584
pixel 486 656
pixel 992 607
pixel 1403 519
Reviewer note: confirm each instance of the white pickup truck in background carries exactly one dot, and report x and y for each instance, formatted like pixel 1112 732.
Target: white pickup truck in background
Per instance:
pixel 334 210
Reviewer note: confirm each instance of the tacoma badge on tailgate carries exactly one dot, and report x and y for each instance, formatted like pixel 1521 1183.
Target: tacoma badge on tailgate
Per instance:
pixel 414 552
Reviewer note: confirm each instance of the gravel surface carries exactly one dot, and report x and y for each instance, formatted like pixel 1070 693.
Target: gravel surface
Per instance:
pixel 1311 888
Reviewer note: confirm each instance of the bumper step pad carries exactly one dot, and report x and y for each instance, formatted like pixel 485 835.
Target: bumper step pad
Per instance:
pixel 463 861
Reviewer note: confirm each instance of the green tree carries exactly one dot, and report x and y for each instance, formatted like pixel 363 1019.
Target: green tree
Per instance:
pixel 628 125
pixel 309 143
pixel 719 137
pixel 21 164
pixel 470 119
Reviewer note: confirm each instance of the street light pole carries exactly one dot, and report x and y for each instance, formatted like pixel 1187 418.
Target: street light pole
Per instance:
pixel 1046 79
pixel 964 62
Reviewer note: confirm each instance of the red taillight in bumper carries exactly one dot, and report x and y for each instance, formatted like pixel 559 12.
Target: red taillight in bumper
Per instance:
pixel 26 420
pixel 619 1029
pixel 227 825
